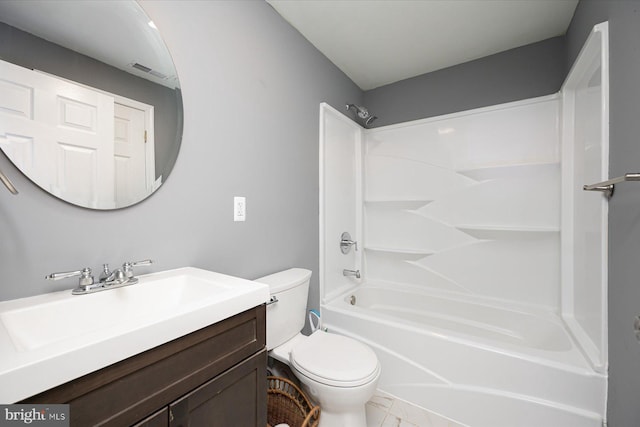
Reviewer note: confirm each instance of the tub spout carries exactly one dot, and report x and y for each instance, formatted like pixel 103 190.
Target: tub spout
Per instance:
pixel 355 273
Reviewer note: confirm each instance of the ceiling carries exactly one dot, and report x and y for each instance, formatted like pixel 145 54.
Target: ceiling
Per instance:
pixel 377 42
pixel 114 32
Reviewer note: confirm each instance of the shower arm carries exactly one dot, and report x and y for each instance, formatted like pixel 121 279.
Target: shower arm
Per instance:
pixel 7 183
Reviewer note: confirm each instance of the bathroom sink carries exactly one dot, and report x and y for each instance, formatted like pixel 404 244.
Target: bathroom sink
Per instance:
pixel 49 321
pixel 52 338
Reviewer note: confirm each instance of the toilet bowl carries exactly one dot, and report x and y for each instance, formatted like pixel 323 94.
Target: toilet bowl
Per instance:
pixel 338 373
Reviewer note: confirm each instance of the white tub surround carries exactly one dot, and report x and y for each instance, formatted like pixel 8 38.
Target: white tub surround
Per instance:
pixel 451 201
pixel 458 221
pixel 585 160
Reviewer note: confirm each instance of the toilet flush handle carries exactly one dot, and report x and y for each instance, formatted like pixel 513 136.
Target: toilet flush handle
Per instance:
pixel 272 300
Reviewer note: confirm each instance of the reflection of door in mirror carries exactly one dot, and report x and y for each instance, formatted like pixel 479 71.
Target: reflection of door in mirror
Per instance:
pixel 71 140
pixel 134 155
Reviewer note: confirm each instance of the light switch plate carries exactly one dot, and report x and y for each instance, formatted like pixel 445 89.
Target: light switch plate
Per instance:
pixel 239 208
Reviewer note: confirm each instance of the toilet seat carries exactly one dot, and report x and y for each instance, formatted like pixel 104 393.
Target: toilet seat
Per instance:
pixel 335 360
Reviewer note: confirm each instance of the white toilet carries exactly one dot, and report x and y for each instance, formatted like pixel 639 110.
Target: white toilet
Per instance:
pixel 339 373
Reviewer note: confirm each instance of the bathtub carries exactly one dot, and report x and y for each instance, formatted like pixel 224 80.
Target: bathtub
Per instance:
pixel 472 360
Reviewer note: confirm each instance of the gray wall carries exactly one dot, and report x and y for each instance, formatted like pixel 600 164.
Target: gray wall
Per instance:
pixel 624 208
pixel 251 87
pixel 27 50
pixel 525 72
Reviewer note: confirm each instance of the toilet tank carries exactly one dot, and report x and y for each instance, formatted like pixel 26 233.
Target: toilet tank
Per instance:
pixel 285 318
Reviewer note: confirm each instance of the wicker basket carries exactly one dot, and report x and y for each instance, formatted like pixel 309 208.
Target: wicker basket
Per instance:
pixel 286 403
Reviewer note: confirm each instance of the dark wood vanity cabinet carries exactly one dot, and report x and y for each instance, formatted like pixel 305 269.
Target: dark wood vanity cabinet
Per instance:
pixel 215 376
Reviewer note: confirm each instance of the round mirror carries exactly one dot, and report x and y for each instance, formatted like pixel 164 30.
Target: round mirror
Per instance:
pixel 90 103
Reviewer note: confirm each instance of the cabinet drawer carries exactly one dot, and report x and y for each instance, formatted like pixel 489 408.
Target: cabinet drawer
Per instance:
pixel 159 419
pixel 130 390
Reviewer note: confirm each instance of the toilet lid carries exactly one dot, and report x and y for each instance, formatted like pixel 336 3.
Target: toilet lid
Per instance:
pixel 335 360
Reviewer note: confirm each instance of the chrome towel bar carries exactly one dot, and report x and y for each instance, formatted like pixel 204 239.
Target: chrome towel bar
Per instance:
pixel 608 187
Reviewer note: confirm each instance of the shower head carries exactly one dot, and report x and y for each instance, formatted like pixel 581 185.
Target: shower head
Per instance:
pixel 362 113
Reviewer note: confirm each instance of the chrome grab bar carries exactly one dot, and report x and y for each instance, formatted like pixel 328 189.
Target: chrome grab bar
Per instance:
pixel 608 187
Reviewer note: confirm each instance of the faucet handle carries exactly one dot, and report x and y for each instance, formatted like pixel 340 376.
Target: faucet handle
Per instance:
pixel 346 243
pixel 86 279
pixel 355 273
pixel 84 273
pixel 127 267
pixel 143 262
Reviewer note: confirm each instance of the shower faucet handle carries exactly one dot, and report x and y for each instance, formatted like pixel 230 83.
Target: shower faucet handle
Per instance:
pixel 346 243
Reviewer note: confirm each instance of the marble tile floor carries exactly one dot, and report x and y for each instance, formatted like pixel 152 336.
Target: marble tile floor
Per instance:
pixel 385 410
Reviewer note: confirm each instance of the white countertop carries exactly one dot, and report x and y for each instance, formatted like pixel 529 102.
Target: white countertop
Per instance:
pixel 50 339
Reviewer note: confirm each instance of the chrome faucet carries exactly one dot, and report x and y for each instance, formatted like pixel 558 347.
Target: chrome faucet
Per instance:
pixel 355 273
pixel 110 278
pixel 107 280
pixel 105 273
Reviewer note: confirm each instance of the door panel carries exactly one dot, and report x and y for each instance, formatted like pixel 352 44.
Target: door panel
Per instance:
pixel 43 118
pixel 129 151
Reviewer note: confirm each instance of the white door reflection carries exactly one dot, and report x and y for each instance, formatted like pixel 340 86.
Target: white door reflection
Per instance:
pixel 79 143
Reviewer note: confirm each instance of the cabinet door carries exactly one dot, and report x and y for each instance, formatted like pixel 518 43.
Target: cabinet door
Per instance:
pixel 236 398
